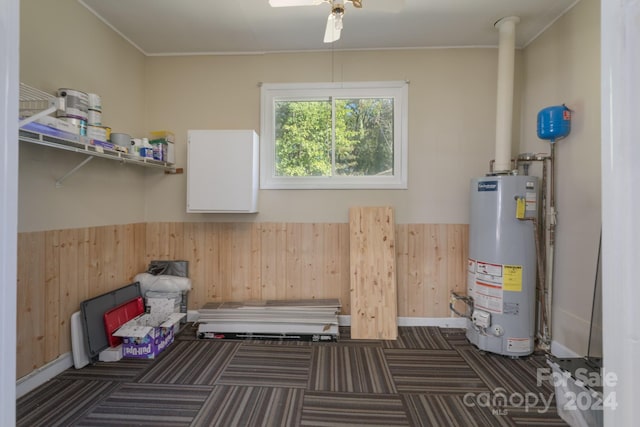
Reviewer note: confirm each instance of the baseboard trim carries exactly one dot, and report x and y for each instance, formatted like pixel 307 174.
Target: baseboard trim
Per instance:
pixel 442 322
pixel 43 374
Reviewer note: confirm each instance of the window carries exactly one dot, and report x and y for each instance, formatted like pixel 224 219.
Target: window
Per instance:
pixel 334 135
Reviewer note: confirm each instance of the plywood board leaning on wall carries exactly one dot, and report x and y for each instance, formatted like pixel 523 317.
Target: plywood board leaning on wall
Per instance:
pixel 374 301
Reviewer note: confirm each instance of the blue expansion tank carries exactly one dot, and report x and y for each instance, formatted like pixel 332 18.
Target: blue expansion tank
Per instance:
pixel 554 123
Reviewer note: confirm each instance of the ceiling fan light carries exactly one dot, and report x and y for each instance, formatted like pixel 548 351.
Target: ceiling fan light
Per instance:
pixel 338 21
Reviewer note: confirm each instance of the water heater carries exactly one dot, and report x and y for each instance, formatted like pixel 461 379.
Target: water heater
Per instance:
pixel 501 269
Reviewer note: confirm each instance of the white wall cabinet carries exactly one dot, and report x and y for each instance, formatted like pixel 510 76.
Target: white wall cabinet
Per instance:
pixel 222 171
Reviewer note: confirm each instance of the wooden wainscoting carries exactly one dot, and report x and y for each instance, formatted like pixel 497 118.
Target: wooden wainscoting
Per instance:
pixel 227 261
pixel 431 262
pixel 57 270
pixel 241 261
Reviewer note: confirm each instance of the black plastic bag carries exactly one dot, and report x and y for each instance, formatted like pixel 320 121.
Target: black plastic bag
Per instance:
pixel 169 267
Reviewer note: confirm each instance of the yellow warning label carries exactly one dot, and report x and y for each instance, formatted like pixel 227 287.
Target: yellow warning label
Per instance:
pixel 512 278
pixel 521 206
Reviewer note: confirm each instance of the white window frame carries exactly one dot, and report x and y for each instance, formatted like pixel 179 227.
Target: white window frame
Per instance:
pixel 273 92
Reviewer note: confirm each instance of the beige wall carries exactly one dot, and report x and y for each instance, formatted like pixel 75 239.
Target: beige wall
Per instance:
pixel 63 45
pixel 563 66
pixel 451 125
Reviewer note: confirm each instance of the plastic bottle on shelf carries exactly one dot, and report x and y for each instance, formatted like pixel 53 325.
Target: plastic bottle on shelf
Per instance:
pixel 146 149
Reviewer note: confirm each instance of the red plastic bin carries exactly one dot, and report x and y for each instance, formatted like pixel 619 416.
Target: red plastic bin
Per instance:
pixel 120 315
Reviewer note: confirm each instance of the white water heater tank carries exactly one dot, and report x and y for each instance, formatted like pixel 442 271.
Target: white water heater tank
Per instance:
pixel 501 270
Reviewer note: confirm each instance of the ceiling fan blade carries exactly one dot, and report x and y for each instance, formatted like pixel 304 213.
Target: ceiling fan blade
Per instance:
pixel 288 3
pixel 334 26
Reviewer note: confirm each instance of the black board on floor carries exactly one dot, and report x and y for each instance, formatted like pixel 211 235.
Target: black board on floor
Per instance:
pixel 93 311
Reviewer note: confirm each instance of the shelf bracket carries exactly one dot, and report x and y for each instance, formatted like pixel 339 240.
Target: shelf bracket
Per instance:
pixel 37 116
pixel 72 171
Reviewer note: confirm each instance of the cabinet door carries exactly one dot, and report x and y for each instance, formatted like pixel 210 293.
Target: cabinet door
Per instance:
pixel 222 171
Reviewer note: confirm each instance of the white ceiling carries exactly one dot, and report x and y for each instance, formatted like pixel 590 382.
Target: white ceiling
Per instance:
pixel 179 27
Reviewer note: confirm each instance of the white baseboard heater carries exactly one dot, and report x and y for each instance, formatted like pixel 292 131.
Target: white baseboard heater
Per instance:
pixel 307 320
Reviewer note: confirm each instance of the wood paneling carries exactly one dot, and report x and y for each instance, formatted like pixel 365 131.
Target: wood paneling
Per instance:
pixel 374 296
pixel 32 307
pixel 431 262
pixel 51 292
pixel 58 269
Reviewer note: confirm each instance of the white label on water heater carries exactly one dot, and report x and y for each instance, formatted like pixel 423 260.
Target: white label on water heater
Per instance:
pixel 488 283
pixel 488 296
pixel 471 277
pixel 518 345
pixel 531 201
pixel 489 272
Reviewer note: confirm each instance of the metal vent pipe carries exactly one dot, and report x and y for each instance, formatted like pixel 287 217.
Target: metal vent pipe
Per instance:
pixel 504 108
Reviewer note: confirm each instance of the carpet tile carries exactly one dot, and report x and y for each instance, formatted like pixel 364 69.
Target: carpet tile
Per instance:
pixel 523 416
pixel 191 362
pixel 432 371
pixel 428 377
pixel 449 410
pixel 511 376
pixel 350 369
pixel 148 405
pixel 251 406
pixel 124 370
pixel 429 338
pixel 60 402
pixel 268 365
pixel 352 409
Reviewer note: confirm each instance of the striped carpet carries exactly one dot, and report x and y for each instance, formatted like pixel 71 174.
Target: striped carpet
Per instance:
pixel 428 377
pixel 349 409
pixel 148 404
pixel 191 362
pixel 350 369
pixel 267 365
pixel 432 371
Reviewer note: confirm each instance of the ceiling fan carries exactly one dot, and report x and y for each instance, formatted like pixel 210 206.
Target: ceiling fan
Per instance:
pixel 334 21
